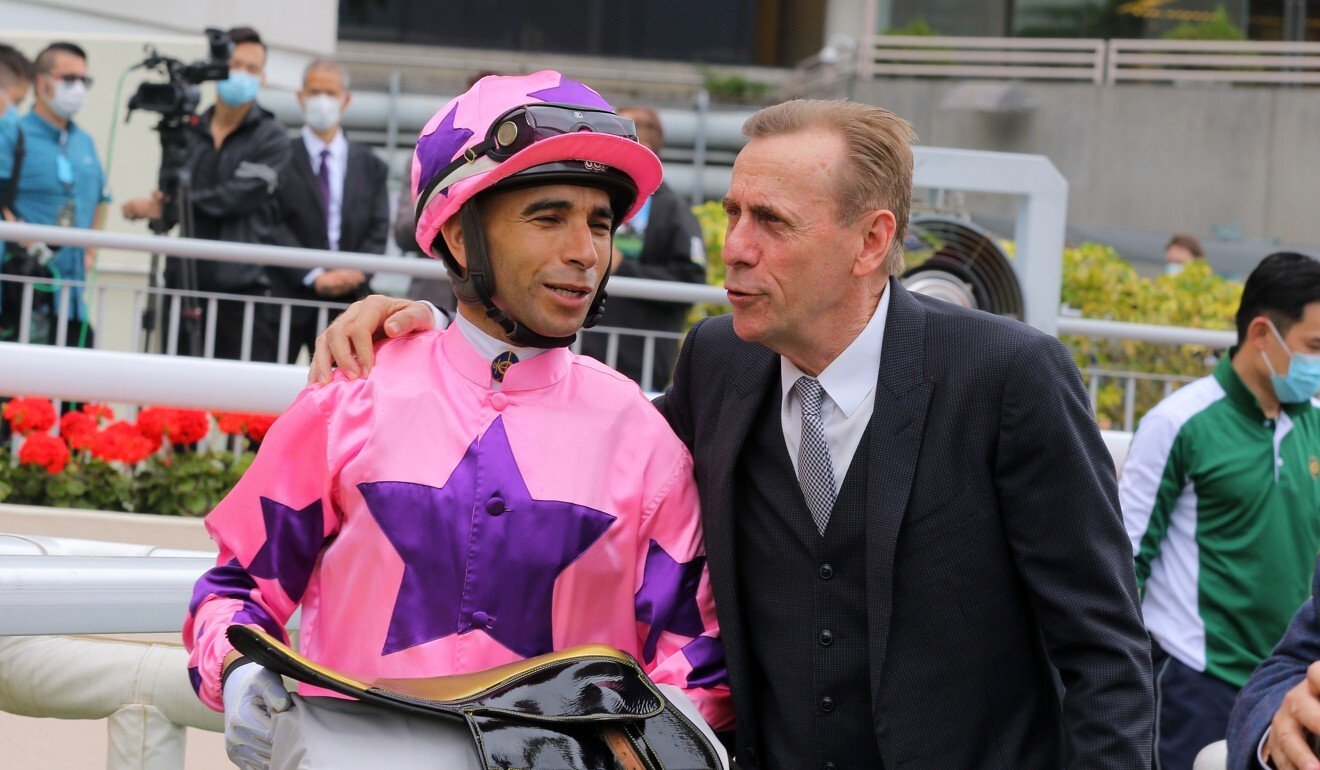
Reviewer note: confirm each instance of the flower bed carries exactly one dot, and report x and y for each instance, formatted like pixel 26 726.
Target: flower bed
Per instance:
pixel 159 463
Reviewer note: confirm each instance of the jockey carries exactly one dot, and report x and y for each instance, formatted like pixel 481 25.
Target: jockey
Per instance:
pixel 487 495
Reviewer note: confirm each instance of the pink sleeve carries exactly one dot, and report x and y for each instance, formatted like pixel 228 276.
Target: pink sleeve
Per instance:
pixel 270 529
pixel 675 610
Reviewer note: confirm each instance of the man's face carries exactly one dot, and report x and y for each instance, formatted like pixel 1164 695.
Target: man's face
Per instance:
pixel 788 258
pixel 549 246
pixel 1177 254
pixel 323 82
pixel 17 92
pixel 1302 337
pixel 649 132
pixel 66 66
pixel 249 58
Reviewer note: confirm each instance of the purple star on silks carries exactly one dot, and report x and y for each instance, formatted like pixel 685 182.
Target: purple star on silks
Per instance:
pixel 294 537
pixel 439 147
pixel 479 553
pixel 571 92
pixel 231 581
pixel 668 597
pixel 706 656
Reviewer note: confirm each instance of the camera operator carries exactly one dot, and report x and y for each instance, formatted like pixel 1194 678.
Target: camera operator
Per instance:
pixel 235 152
pixel 51 166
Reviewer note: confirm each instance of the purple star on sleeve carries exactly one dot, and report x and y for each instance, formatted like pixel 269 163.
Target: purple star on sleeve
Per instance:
pixel 706 656
pixel 231 581
pixel 294 537
pixel 479 553
pixel 668 597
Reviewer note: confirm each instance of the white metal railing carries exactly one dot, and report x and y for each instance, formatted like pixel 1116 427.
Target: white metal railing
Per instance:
pixel 1101 62
pixel 1213 61
pixel 984 57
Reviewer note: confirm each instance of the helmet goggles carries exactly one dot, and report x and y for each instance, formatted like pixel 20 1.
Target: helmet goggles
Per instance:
pixel 515 131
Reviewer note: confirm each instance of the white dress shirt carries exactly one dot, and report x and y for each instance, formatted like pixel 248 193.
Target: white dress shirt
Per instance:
pixel 338 163
pixel 849 399
pixel 489 347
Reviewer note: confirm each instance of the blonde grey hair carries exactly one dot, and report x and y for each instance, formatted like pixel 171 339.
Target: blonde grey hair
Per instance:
pixel 879 150
pixel 327 64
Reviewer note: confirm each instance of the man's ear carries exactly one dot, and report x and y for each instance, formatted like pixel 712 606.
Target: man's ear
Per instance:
pixel 1259 334
pixel 348 97
pixel 878 229
pixel 452 232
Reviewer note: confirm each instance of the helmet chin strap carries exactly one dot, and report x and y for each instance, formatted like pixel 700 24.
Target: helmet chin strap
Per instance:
pixel 480 281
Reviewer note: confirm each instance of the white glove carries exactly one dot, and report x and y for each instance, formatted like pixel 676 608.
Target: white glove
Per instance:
pixel 683 703
pixel 252 696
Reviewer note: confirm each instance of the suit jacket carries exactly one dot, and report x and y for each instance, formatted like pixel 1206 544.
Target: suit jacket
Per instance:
pixel 999 573
pixel 364 226
pixel 1279 673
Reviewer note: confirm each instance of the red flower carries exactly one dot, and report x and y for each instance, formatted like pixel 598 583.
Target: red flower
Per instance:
pixel 153 421
pixel 98 412
pixel 180 426
pixel 45 450
pixel 254 426
pixel 27 415
pixel 259 424
pixel 78 428
pixel 188 426
pixel 121 442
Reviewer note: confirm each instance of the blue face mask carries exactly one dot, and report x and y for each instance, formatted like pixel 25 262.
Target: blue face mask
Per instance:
pixel 1303 378
pixel 239 88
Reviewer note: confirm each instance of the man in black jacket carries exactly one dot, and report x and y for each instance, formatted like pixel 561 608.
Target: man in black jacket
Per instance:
pixel 911 520
pixel 663 243
pixel 331 196
pixel 235 152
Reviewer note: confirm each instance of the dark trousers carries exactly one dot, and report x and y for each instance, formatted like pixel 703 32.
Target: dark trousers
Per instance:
pixel 228 330
pixel 1191 711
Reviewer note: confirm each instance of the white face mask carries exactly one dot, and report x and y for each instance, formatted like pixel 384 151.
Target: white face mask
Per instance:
pixel 1174 268
pixel 321 112
pixel 68 99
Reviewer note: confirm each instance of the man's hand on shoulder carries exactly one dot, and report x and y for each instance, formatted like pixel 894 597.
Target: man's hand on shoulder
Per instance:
pixel 348 342
pixel 1287 746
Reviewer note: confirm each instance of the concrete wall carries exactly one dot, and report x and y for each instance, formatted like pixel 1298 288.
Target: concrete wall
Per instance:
pixel 310 26
pixel 1149 157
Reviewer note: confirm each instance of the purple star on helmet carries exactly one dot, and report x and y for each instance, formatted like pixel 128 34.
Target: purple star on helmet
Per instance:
pixel 668 597
pixel 294 537
pixel 479 553
pixel 436 149
pixel 571 92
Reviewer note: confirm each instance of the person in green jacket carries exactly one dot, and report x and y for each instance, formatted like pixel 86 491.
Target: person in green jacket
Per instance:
pixel 1221 498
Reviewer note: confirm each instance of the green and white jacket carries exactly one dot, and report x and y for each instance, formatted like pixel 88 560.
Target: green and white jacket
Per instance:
pixel 1223 508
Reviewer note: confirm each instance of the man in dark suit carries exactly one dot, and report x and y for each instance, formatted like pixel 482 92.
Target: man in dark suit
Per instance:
pixel 911 520
pixel 663 243
pixel 331 196
pixel 1277 714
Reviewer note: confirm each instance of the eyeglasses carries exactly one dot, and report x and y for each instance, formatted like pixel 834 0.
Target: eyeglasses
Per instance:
pixel 71 79
pixel 515 131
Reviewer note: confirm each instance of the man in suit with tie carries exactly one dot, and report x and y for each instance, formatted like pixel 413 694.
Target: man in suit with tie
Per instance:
pixel 331 196
pixel 911 520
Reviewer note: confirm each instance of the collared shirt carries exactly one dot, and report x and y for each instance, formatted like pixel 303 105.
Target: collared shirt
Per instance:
pixel 338 164
pixel 489 347
pixel 849 385
pixel 1219 500
pixel 60 167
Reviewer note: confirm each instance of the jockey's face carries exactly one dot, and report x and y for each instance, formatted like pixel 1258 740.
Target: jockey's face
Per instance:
pixel 549 247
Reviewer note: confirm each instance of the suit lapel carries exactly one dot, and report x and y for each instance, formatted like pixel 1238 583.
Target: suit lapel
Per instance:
pixel 353 177
pixel 302 163
pixel 756 370
pixel 902 399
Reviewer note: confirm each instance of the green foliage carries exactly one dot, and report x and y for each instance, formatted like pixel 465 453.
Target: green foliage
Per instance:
pixel 1097 283
pixel 735 88
pixel 917 27
pixel 1217 27
pixel 187 483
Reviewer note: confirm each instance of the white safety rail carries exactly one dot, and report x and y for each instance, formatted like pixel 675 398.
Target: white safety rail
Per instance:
pixel 1208 61
pixel 1003 58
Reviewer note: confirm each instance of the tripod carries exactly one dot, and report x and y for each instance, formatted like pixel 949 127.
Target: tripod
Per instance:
pixel 175 184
